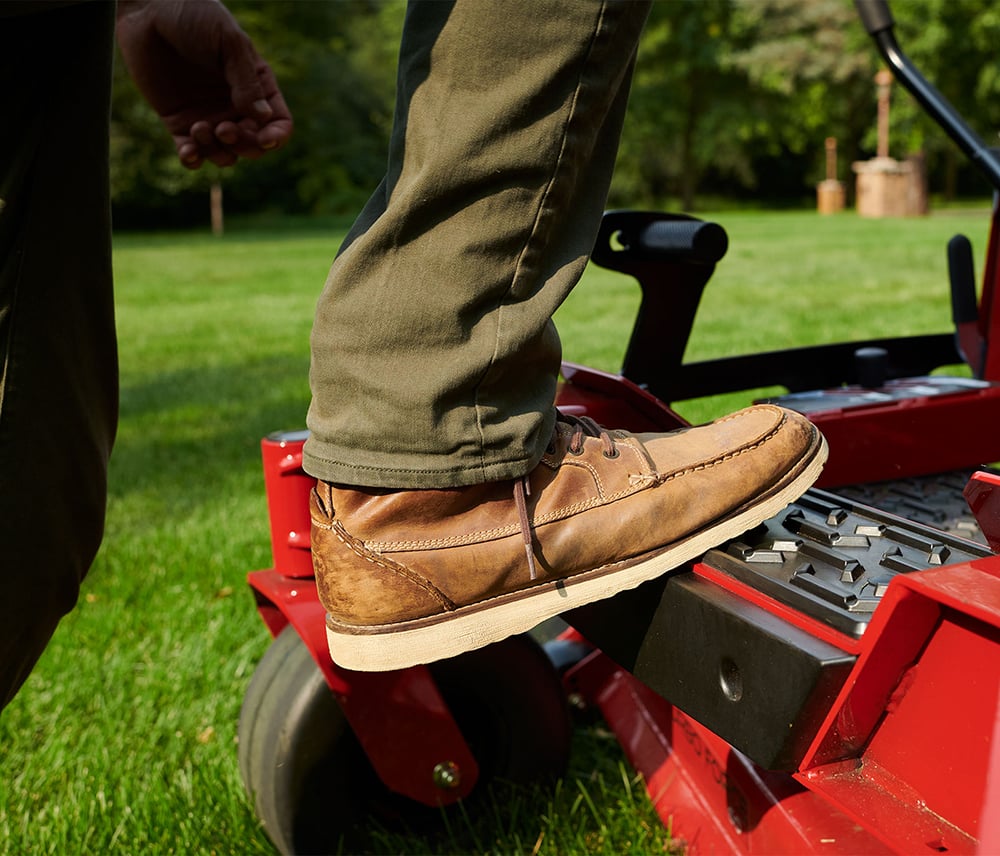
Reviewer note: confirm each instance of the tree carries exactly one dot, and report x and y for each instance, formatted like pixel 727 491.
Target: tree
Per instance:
pixel 736 96
pixel 810 66
pixel 683 105
pixel 335 63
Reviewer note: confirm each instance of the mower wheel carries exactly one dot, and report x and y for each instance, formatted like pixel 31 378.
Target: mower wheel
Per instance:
pixel 312 785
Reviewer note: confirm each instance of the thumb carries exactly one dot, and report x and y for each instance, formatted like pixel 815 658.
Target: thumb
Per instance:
pixel 241 67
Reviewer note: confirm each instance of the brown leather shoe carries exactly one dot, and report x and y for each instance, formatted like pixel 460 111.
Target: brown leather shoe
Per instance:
pixel 413 576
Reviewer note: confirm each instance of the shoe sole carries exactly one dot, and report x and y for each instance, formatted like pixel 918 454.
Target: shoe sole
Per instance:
pixel 386 647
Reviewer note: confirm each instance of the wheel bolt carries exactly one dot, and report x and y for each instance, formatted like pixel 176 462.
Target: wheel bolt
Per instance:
pixel 447 775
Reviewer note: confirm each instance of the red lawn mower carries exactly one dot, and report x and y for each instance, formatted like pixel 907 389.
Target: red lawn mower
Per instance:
pixel 829 682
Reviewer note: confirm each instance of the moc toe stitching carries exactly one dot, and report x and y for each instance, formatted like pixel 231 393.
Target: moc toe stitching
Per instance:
pixel 638 482
pixel 709 463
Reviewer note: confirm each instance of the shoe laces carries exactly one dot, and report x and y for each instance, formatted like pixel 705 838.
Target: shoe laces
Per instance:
pixel 522 490
pixel 583 427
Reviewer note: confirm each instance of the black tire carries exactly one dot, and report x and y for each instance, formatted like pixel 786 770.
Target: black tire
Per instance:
pixel 314 789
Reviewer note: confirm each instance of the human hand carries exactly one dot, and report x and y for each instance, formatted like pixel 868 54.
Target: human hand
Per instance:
pixel 201 73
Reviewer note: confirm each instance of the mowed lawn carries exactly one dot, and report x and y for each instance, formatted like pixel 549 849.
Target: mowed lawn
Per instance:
pixel 124 738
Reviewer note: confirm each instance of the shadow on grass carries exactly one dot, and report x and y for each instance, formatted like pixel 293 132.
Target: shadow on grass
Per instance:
pixel 188 433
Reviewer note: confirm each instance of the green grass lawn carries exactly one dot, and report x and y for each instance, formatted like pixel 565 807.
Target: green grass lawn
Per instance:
pixel 123 740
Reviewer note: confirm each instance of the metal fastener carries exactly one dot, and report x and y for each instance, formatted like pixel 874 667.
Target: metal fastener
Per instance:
pixel 447 775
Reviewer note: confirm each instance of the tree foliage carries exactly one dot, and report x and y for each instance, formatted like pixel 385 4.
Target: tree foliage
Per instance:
pixel 730 97
pixel 684 93
pixel 335 62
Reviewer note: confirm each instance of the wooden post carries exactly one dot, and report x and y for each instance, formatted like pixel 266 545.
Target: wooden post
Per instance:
pixel 830 193
pixel 215 201
pixel 884 81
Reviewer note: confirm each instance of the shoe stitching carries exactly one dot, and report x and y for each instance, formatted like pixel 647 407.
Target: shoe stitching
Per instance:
pixel 360 549
pixel 663 478
pixel 638 481
pixel 602 496
pixel 482 535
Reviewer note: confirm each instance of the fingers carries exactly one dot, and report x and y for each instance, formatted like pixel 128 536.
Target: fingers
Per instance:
pixel 188 152
pixel 228 140
pixel 204 77
pixel 193 151
pixel 277 129
pixel 202 145
pixel 264 124
pixel 247 75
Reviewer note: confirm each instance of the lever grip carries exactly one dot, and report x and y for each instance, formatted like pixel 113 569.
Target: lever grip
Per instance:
pixel 875 15
pixel 696 240
pixel 963 280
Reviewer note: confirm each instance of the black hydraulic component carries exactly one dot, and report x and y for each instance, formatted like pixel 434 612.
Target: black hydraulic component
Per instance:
pixel 755 679
pixel 878 21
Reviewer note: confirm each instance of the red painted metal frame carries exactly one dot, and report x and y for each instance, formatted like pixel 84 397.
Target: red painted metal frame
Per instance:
pixel 711 797
pixel 908 759
pixel 911 437
pixel 889 770
pixel 983 495
pixel 867 785
pixel 399 717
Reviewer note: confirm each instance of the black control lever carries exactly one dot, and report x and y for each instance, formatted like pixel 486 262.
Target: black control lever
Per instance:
pixel 963 280
pixel 878 21
pixel 964 310
pixel 875 15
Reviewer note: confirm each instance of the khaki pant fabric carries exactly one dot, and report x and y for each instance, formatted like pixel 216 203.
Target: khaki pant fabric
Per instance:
pixel 434 356
pixel 58 363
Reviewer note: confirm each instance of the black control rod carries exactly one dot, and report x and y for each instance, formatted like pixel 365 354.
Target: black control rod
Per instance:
pixel 878 21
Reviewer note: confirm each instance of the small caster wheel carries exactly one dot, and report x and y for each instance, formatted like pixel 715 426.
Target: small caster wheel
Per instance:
pixel 312 785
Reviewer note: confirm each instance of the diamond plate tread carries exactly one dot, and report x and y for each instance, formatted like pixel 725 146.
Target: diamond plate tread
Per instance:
pixel 934 500
pixel 833 558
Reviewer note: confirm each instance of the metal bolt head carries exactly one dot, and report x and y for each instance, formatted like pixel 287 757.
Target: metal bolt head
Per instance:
pixel 447 776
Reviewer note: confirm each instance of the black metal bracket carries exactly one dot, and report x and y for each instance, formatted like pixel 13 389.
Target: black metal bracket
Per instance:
pixel 673 256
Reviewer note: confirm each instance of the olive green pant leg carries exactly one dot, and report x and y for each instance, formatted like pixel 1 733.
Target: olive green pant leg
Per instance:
pixel 58 366
pixel 434 356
